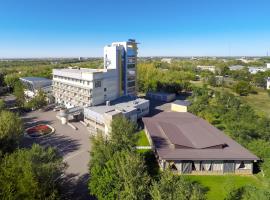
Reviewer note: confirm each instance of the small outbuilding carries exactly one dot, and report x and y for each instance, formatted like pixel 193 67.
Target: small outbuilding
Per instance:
pixel 180 106
pixel 35 84
pixel 161 96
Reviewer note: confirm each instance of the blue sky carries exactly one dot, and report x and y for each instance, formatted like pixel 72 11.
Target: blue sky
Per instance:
pixel 54 28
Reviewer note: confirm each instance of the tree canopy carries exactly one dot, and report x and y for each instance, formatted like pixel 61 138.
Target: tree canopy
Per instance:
pixel 10 131
pixel 31 174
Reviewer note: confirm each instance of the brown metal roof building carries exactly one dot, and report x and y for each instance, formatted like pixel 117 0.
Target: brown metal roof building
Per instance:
pixel 189 144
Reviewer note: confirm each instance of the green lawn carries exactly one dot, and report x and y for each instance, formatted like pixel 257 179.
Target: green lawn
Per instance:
pixel 218 186
pixel 260 102
pixel 142 139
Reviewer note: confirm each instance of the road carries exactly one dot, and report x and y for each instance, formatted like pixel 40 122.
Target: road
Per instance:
pixel 73 145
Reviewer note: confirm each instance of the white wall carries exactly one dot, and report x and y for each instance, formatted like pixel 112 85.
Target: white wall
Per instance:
pixel 268 83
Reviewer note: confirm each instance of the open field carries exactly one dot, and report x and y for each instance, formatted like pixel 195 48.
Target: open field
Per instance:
pixel 259 102
pixel 218 186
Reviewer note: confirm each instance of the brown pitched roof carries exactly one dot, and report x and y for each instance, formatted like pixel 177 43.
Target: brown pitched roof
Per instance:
pixel 184 136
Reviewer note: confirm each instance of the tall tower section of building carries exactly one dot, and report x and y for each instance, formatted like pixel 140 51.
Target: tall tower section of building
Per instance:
pixel 122 56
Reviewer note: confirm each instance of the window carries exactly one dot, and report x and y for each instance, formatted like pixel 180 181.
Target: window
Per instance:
pixel 131 84
pixel 242 165
pixel 131 78
pixel 130 66
pixel 105 89
pixel 97 84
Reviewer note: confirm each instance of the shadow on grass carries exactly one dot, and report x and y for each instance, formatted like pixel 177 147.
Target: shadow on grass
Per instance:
pixel 151 163
pixel 204 189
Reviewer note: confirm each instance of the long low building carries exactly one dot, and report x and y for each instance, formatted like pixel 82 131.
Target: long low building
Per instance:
pixel 34 84
pixel 189 145
pixel 99 118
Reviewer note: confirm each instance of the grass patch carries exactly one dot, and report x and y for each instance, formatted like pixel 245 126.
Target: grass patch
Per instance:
pixel 259 102
pixel 142 139
pixel 219 186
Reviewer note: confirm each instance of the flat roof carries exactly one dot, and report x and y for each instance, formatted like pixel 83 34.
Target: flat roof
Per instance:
pixel 35 79
pixel 182 102
pixel 79 70
pixel 124 104
pixel 160 93
pixel 184 136
pixel 36 82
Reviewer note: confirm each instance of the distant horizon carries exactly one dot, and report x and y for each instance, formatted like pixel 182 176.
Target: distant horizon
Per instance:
pixel 101 57
pixel 186 28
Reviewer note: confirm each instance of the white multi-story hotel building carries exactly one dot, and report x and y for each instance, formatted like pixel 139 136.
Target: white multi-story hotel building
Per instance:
pixel 83 87
pixel 122 56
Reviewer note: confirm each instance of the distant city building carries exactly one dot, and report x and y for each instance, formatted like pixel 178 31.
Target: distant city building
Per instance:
pixel 209 68
pixel 268 65
pixel 255 70
pixel 99 118
pixel 236 67
pixel 244 60
pixel 89 87
pixel 167 60
pixel 268 83
pixel 35 84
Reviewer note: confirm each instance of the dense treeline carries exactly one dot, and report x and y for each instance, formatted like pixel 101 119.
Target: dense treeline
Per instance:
pixel 151 77
pixel 118 171
pixel 239 121
pixel 42 68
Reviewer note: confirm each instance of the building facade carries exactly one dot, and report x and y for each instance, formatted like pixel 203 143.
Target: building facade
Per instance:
pixel 268 83
pixel 209 68
pixel 99 118
pixel 82 87
pixel 161 96
pixel 122 56
pixel 255 70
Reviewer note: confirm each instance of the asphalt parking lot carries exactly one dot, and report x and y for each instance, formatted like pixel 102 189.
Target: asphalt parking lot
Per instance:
pixel 73 145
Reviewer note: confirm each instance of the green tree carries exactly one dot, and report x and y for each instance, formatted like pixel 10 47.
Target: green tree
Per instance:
pixel 38 101
pixel 123 177
pixel 2 104
pixel 122 134
pixel 19 94
pixel 11 80
pixel 174 187
pixel 31 174
pixel 117 171
pixel 248 192
pixel 242 88
pixel 10 131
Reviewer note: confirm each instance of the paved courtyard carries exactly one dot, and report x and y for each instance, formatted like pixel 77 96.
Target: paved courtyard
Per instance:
pixel 73 145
